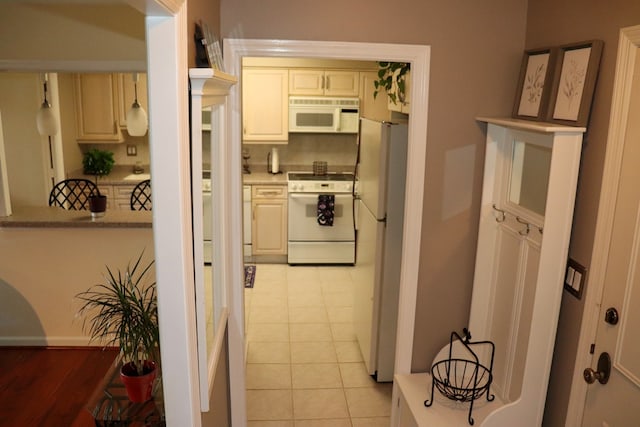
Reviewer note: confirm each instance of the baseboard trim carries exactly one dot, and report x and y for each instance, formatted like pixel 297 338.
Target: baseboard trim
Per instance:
pixel 35 341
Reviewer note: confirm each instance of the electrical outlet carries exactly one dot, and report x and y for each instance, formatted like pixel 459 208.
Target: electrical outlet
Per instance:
pixel 132 150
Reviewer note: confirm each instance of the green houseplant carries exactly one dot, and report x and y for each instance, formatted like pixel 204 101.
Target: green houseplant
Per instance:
pixel 392 75
pixel 98 163
pixel 123 311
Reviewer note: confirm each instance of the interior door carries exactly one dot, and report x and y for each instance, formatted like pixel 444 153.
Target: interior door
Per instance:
pixel 616 402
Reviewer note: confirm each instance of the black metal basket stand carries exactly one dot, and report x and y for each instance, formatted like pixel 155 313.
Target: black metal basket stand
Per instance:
pixel 463 380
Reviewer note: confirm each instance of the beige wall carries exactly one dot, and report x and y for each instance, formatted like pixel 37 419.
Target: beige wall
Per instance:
pixel 42 269
pixel 96 32
pixel 475 57
pixel 556 22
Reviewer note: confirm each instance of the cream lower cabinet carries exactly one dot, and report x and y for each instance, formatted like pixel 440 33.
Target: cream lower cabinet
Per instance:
pixel 265 105
pixel 269 219
pixel 118 196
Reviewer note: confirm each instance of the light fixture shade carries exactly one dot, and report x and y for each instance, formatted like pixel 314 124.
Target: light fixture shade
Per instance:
pixel 46 120
pixel 137 122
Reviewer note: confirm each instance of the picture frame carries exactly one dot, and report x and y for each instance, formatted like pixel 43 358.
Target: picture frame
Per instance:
pixel 534 84
pixel 574 82
pixel 208 50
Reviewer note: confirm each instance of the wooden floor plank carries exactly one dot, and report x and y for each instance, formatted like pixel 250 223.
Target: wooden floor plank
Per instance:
pixel 49 387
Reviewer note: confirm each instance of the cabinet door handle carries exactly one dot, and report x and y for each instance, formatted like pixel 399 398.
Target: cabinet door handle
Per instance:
pixel 327 81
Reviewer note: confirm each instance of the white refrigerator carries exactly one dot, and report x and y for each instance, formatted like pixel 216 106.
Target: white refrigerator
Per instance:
pixel 381 175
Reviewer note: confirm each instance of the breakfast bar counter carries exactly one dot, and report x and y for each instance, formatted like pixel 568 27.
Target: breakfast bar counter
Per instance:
pixel 54 217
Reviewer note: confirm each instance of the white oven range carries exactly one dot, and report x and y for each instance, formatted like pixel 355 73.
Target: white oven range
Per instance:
pixel 309 241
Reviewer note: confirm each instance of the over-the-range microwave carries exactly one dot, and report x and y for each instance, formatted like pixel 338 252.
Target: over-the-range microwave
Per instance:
pixel 317 114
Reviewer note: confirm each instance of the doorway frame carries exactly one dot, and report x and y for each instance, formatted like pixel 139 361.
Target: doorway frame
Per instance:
pixel 628 46
pixel 419 57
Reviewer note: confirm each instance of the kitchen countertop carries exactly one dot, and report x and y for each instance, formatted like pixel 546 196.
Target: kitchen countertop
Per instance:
pixel 120 175
pixel 54 217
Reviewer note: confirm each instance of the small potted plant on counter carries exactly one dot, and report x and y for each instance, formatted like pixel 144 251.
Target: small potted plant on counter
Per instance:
pixel 123 312
pixel 97 163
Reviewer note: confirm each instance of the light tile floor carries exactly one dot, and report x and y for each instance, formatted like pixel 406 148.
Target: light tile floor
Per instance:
pixel 304 367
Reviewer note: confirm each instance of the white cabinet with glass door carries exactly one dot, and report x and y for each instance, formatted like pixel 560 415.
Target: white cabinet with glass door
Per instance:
pixel 530 179
pixel 265 105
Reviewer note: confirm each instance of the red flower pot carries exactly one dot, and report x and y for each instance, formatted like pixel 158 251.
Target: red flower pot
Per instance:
pixel 139 387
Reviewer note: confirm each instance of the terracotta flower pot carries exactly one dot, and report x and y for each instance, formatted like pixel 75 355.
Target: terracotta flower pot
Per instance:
pixel 138 387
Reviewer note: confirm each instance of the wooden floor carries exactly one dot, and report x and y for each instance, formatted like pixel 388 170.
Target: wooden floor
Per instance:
pixel 49 386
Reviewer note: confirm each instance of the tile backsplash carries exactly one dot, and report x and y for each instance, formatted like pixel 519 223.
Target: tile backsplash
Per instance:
pixel 120 150
pixel 304 148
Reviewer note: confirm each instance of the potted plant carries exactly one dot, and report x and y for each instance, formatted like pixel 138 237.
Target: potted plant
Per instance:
pixel 97 163
pixel 123 312
pixel 392 78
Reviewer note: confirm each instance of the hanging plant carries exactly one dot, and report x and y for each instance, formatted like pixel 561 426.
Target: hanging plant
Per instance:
pixel 388 73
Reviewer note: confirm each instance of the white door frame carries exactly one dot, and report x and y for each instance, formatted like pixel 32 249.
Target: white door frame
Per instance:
pixel 419 57
pixel 625 68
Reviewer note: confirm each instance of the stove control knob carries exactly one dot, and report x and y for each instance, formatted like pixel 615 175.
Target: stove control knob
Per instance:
pixel 301 187
pixel 294 187
pixel 347 187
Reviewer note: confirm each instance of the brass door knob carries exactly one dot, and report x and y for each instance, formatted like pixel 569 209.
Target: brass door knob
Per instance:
pixel 603 372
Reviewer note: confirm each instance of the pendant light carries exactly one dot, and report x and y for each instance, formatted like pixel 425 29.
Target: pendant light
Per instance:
pixel 136 116
pixel 45 119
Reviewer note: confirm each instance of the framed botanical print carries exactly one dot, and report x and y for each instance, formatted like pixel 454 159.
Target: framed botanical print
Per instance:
pixel 574 83
pixel 534 84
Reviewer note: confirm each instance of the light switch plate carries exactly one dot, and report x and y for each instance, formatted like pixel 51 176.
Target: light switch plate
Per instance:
pixel 132 150
pixel 574 278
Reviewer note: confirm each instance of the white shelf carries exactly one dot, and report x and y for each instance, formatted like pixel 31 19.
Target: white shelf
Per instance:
pixel 416 388
pixel 207 82
pixel 531 125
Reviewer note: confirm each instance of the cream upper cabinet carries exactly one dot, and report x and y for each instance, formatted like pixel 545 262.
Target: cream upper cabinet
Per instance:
pixel 126 95
pixel 269 219
pixel 402 100
pixel 323 82
pixel 370 107
pixel 96 103
pixel 265 117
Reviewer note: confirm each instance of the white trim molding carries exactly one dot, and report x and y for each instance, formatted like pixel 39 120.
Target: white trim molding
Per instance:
pixel 625 68
pixel 419 57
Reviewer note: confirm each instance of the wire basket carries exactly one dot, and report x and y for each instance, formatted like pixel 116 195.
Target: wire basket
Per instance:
pixel 319 168
pixel 462 380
